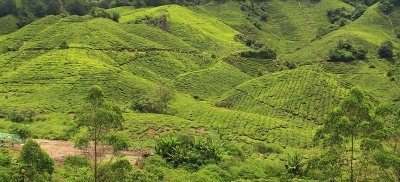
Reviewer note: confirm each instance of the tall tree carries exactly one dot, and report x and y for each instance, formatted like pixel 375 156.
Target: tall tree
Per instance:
pixel 99 119
pixel 352 120
pixel 389 158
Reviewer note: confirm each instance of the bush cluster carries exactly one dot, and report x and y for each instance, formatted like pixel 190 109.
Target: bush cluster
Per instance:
pixel 191 152
pixel 102 13
pixel 156 102
pixel 23 115
pixel 159 22
pixel 345 52
pixel 255 11
pixel 262 148
pixel 386 50
pixel 249 41
pixel 387 6
pixel 341 16
pixel 262 54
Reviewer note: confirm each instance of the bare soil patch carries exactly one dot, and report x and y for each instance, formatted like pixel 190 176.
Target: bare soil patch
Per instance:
pixel 59 150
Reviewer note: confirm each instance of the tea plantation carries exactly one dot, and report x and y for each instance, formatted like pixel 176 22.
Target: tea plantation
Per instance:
pixel 294 90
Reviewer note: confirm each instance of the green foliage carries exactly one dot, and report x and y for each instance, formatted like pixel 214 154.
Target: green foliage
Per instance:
pixel 386 6
pixel 30 10
pixel 340 16
pixel 23 115
pixel 120 170
pixel 386 50
pixel 256 11
pixel 156 103
pixel 353 119
pixel 23 131
pixel 76 161
pixel 99 119
pixel 35 161
pixel 294 164
pixel 102 13
pixel 9 166
pixel 141 175
pixel 118 141
pixel 188 151
pixel 267 148
pixel 159 22
pixel 7 7
pixel 233 150
pixel 76 168
pixel 264 54
pixel 64 45
pixel 77 7
pixel 389 161
pixel 345 52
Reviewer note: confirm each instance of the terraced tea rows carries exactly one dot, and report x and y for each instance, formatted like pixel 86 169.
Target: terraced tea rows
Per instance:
pixel 303 93
pixel 253 126
pixel 212 82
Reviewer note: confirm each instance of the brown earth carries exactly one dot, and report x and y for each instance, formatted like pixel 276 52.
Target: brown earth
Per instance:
pixel 59 150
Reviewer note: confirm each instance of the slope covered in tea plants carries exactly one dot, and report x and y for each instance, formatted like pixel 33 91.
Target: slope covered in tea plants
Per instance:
pixel 305 92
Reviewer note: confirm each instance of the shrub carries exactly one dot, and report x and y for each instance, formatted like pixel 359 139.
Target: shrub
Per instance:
pixel 64 45
pixel 117 171
pixel 266 148
pixel 9 166
pixel 154 164
pixel 191 152
pixel 233 150
pixel 215 173
pixel 23 115
pixel 159 22
pixel 386 6
pixel 76 7
pixel 263 54
pixel 156 103
pixel 35 160
pixel 102 13
pixel 386 50
pixel 142 176
pixel 393 72
pixel 345 52
pixel 23 131
pixel 76 161
pixel 340 15
pixel 118 141
pixel 7 7
pixel 290 64
pixel 294 164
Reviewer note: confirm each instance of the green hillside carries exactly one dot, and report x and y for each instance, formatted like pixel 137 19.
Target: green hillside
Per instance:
pixel 304 92
pixel 294 90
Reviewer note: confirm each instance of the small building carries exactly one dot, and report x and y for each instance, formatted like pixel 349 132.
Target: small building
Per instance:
pixel 9 140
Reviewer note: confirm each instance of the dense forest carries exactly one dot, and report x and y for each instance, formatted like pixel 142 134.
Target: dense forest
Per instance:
pixel 199 90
